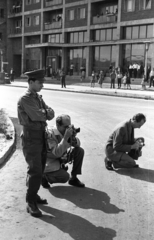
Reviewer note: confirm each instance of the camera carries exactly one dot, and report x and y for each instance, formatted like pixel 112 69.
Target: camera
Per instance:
pixel 72 140
pixel 136 153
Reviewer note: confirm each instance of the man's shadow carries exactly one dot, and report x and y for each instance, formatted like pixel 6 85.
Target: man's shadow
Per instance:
pixel 143 174
pixel 75 226
pixel 85 198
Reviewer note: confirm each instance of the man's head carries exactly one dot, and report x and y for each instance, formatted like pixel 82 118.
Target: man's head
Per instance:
pixel 36 80
pixel 138 120
pixel 62 122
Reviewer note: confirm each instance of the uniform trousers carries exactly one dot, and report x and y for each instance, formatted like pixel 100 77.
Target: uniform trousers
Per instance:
pixel 61 176
pixel 34 150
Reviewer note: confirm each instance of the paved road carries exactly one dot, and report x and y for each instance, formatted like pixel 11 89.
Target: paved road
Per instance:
pixel 114 205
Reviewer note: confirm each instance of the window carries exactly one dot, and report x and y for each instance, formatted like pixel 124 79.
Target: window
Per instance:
pixel 129 5
pixel 145 4
pixel 150 31
pixel 28 2
pixel 71 14
pixel 134 32
pixel 109 34
pixel 28 21
pixel 82 13
pixel 36 20
pixel 1 13
pixel 142 33
pixel 77 37
pixel 102 37
pixel 18 23
pixel 36 1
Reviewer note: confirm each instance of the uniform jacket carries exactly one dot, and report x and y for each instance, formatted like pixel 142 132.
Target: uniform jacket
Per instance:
pixel 120 140
pixel 57 148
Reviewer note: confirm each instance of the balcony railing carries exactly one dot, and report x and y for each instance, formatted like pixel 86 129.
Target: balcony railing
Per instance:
pixel 52 25
pixel 16 30
pixel 110 18
pixel 16 9
pixel 49 3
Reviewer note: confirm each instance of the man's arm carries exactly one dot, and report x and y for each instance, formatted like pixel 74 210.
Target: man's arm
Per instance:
pixel 31 109
pixel 49 111
pixel 118 144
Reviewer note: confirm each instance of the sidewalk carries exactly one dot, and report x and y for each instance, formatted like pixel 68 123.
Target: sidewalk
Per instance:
pixel 84 87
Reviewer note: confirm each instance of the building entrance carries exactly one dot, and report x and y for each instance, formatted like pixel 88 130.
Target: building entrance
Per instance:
pixel 52 65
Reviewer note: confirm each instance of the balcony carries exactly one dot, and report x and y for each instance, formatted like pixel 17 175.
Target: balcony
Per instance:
pixel 50 3
pixel 17 30
pixel 52 25
pixel 109 18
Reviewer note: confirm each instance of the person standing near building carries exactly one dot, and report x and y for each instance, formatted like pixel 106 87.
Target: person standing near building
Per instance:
pixel 113 78
pixel 119 77
pixel 93 77
pixel 151 78
pixel 71 69
pixel 62 78
pixel 33 114
pixel 12 75
pixel 101 78
pixel 128 81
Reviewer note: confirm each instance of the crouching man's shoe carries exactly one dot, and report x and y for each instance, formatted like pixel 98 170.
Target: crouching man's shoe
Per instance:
pixel 76 182
pixel 108 164
pixel 33 210
pixel 40 200
pixel 45 183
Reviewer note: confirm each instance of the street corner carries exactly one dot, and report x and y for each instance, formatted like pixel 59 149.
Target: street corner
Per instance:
pixel 7 136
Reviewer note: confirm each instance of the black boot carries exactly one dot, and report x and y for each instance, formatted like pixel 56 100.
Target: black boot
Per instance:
pixel 40 200
pixel 33 209
pixel 108 164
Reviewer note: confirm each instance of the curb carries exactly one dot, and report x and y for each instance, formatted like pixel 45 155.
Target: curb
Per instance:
pixel 10 143
pixel 104 93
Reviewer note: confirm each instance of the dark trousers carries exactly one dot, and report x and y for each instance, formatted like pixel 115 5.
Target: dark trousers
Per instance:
pixel 34 150
pixel 63 84
pixel 112 83
pixel 61 176
pixel 119 82
pixel 151 82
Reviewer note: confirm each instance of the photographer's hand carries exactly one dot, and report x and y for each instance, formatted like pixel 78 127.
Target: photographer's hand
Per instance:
pixel 68 133
pixel 136 145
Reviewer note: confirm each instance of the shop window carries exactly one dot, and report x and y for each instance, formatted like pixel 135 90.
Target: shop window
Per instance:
pixel 82 13
pixel 129 5
pixel 28 21
pixel 71 14
pixel 145 4
pixel 36 20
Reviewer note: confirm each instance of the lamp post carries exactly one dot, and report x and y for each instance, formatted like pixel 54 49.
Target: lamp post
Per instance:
pixel 147 43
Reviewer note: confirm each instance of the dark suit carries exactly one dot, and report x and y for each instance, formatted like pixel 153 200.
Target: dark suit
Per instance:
pixel 119 145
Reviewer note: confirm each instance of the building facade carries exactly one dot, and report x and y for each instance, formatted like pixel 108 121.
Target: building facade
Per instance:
pixel 3 35
pixel 93 34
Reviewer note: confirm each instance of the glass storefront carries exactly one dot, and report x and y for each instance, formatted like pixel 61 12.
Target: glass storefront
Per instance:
pixel 77 57
pixel 103 56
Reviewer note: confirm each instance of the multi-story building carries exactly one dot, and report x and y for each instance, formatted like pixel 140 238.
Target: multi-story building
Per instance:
pixel 3 37
pixel 86 33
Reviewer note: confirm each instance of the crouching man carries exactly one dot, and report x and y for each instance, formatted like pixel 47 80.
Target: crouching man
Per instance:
pixel 121 148
pixel 63 147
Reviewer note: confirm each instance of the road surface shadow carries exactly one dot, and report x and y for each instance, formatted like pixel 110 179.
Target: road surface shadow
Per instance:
pixel 86 198
pixel 143 174
pixel 77 227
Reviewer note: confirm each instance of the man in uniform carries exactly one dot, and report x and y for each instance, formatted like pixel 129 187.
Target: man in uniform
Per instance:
pixel 32 115
pixel 121 142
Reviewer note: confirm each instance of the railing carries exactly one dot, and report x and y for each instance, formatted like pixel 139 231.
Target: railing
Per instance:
pixel 49 3
pixel 52 25
pixel 16 9
pixel 17 30
pixel 105 19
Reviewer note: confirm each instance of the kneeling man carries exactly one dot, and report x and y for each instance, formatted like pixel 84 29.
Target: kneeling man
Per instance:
pixel 63 147
pixel 119 146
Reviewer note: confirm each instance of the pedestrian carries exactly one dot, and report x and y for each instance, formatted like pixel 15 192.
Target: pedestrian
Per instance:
pixel 63 148
pixel 119 77
pixel 151 78
pixel 128 81
pixel 12 75
pixel 93 77
pixel 71 69
pixel 101 78
pixel 124 80
pixel 143 82
pixel 113 78
pixel 33 114
pixel 121 144
pixel 62 78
